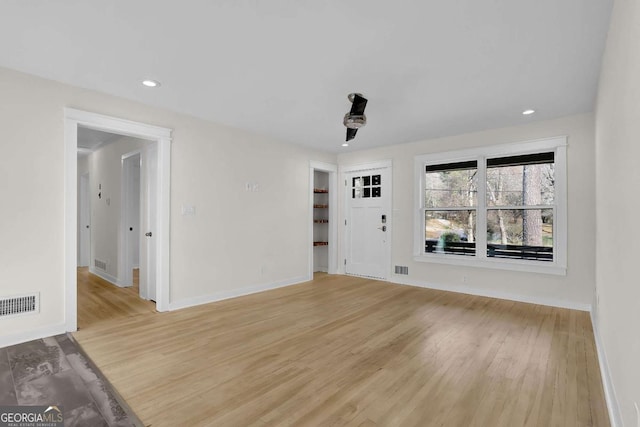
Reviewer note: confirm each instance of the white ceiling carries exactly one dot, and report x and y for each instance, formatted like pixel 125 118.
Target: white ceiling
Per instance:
pixel 284 67
pixel 90 140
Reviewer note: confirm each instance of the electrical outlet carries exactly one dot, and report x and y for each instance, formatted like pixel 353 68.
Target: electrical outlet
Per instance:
pixel 464 279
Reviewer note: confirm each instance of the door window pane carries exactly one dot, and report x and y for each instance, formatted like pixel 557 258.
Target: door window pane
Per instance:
pixel 362 187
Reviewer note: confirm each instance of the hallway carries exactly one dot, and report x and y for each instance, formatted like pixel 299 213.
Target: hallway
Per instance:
pixel 99 300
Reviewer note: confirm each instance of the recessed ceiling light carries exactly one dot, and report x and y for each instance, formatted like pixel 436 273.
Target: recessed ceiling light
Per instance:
pixel 151 83
pixel 345 145
pixel 528 112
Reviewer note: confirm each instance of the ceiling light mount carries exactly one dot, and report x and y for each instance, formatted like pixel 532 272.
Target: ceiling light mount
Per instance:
pixel 352 96
pixel 355 118
pixel 354 121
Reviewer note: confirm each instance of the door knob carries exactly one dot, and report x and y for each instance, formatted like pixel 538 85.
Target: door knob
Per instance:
pixel 148 234
pixel 383 228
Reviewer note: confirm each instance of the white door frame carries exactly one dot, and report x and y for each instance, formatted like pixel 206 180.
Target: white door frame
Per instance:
pixel 162 136
pixel 125 275
pixel 346 169
pixel 332 170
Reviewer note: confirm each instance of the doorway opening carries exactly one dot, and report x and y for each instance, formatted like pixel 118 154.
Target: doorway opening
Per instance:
pixel 128 219
pixel 323 232
pixel 112 278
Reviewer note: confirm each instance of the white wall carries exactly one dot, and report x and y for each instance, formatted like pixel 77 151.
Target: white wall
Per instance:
pixel 105 166
pixel 236 239
pixel 617 317
pixel 573 290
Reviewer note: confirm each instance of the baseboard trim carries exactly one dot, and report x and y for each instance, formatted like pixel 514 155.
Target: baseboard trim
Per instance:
pixel 106 276
pixel 34 334
pixel 248 290
pixel 552 302
pixel 609 391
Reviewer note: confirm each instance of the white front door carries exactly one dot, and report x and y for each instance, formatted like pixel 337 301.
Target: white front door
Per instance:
pixel 368 222
pixel 148 229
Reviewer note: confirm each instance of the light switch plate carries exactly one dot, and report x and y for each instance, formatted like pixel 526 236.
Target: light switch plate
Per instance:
pixel 188 210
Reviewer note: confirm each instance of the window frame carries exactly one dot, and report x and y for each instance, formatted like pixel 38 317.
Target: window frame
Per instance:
pixel 557 145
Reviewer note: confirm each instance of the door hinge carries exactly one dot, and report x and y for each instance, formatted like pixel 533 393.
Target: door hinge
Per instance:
pixel 345 222
pixel 345 261
pixel 345 182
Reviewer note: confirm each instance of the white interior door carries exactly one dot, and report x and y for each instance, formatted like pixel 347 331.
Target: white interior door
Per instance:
pixel 368 221
pixel 131 214
pixel 84 222
pixel 149 224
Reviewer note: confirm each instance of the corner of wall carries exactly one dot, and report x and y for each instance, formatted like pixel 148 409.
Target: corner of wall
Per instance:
pixel 609 391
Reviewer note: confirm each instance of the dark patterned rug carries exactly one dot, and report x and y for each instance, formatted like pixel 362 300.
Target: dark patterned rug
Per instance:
pixel 55 371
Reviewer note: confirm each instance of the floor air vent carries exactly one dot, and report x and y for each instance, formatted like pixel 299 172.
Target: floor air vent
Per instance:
pixel 401 269
pixel 23 304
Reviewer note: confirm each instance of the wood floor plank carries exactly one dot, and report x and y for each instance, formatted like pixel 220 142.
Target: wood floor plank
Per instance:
pixel 99 300
pixel 347 351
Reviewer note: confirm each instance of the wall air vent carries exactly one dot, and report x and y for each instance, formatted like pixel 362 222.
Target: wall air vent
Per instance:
pixel 100 264
pixel 21 304
pixel 401 269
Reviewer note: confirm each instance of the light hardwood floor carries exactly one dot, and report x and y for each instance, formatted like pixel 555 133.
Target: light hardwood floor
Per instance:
pixel 100 301
pixel 348 351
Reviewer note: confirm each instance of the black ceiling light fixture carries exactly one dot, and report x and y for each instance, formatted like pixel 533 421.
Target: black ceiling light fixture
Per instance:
pixel 355 118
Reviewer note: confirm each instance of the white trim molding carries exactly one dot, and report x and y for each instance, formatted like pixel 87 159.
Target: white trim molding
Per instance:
pixel 162 136
pixel 551 302
pixel 366 166
pixel 560 226
pixel 223 295
pixel 108 277
pixel 615 417
pixel 34 334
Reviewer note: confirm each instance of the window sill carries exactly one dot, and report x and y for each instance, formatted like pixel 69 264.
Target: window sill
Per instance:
pixel 502 264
